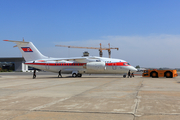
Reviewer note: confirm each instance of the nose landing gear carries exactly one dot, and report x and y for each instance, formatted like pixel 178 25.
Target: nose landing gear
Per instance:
pixel 124 76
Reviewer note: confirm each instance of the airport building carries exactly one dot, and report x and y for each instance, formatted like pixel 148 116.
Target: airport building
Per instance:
pixel 15 63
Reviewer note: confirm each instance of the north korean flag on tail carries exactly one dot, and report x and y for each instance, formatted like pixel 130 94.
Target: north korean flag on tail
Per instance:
pixel 26 49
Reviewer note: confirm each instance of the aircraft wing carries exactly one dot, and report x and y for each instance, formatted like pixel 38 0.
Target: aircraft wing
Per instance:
pixel 78 59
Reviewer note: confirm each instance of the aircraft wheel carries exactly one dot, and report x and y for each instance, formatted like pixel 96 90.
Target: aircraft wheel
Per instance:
pixel 124 76
pixel 79 75
pixel 74 75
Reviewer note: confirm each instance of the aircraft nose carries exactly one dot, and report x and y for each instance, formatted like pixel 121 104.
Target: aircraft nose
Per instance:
pixel 132 69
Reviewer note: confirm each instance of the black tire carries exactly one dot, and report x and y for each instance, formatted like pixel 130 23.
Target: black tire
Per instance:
pixel 74 75
pixel 154 74
pixel 168 74
pixel 124 76
pixel 79 75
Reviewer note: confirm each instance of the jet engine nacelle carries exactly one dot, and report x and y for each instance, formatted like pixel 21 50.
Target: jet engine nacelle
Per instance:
pixel 96 66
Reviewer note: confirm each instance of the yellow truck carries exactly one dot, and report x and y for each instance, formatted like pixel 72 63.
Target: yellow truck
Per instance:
pixel 160 73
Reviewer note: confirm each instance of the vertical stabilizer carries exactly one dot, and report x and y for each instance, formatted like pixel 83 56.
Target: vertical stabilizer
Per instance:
pixel 28 50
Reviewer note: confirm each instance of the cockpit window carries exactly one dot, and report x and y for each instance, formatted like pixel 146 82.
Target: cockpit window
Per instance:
pixel 128 63
pixel 145 71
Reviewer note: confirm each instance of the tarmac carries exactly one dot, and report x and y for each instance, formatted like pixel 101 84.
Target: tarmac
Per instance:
pixel 91 97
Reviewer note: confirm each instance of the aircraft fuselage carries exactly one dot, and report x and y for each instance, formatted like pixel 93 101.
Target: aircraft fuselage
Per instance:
pixel 90 66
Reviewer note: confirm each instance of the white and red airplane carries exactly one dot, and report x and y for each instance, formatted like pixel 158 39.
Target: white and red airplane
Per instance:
pixel 75 66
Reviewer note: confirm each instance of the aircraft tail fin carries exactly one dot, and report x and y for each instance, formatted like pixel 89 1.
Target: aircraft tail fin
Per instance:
pixel 28 50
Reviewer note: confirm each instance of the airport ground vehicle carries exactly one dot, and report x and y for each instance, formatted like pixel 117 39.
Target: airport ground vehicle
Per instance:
pixel 160 73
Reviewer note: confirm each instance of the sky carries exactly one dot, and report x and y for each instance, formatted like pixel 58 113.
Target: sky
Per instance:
pixel 147 32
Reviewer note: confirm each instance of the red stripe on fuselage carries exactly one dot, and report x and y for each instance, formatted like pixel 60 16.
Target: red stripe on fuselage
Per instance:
pixel 78 64
pixel 118 64
pixel 58 64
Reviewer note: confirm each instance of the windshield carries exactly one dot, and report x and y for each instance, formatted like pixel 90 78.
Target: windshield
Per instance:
pixel 145 71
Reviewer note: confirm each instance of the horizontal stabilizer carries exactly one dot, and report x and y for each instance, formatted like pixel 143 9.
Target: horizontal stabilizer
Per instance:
pixel 15 41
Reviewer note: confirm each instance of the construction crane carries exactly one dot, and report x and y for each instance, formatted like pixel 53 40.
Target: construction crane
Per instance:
pixel 100 49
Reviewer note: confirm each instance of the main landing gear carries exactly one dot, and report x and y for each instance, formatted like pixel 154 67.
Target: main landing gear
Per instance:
pixel 34 74
pixel 76 75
